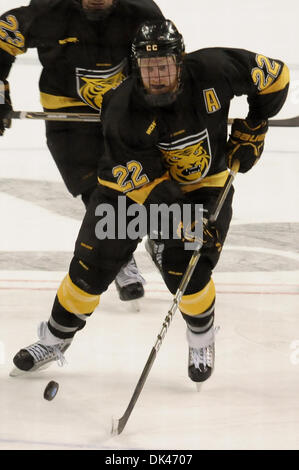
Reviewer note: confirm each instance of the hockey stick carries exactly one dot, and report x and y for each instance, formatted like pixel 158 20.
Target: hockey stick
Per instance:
pixel 91 117
pixel 118 425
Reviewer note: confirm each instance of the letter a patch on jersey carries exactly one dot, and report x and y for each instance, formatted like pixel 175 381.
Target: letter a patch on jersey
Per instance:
pixel 211 100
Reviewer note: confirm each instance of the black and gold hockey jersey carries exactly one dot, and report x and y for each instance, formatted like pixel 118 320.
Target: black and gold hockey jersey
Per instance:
pixel 147 148
pixel 81 59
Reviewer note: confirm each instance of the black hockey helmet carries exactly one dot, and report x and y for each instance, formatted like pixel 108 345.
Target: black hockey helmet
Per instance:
pixel 158 38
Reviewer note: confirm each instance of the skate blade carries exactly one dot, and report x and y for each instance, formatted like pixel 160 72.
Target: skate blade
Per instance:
pixel 198 386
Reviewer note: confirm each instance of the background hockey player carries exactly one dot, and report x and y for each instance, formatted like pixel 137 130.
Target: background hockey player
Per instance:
pixel 83 47
pixel 166 141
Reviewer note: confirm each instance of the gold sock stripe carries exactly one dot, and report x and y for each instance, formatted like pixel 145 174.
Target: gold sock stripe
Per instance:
pixel 198 303
pixel 74 299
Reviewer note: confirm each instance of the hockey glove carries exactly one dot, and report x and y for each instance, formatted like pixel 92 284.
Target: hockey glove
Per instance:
pixel 246 143
pixel 5 106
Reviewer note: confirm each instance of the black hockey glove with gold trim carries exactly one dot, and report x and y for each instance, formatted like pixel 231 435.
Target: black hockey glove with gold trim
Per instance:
pixel 246 143
pixel 5 106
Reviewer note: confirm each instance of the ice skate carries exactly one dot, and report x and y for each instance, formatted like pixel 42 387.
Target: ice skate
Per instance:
pixel 41 354
pixel 201 355
pixel 129 284
pixel 155 251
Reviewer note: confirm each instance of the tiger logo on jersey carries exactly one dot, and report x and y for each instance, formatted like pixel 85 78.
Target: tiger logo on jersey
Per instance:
pixel 188 159
pixel 93 84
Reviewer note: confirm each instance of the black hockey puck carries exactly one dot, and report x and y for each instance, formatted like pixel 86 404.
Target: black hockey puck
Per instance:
pixel 51 390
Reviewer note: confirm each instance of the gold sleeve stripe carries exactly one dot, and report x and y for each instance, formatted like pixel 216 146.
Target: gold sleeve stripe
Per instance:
pixel 137 195
pixel 55 102
pixel 198 303
pixel 12 50
pixel 279 84
pixel 74 299
pixel 213 181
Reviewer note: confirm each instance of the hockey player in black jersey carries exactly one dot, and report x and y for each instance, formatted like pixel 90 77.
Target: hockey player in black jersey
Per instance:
pixel 83 47
pixel 166 142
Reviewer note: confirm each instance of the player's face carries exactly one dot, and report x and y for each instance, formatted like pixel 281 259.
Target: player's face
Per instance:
pixel 96 4
pixel 159 74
